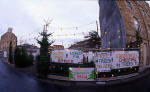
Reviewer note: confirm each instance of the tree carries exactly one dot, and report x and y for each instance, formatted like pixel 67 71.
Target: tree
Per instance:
pixel 94 35
pixel 18 57
pixel 138 38
pixel 94 39
pixel 70 75
pixel 137 43
pixel 10 53
pixel 43 62
pixel 92 75
pixel 21 58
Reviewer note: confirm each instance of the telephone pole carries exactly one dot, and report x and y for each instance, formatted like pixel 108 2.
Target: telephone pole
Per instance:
pixel 97 26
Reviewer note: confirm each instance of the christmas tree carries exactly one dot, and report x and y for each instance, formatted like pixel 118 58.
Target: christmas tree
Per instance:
pixel 92 75
pixel 70 75
pixel 43 62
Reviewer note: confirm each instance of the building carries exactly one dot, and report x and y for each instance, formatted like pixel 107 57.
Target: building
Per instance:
pixel 6 39
pixel 87 44
pixel 120 20
pixel 56 47
pixel 80 45
pixel 31 49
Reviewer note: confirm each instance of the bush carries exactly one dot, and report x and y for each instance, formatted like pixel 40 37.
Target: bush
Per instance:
pixel 22 59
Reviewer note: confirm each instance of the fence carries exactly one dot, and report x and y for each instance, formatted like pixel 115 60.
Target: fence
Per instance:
pixel 129 65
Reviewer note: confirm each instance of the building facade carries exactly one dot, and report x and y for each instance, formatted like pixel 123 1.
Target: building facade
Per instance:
pixel 111 24
pixel 56 47
pixel 120 20
pixel 88 44
pixel 31 49
pixel 6 39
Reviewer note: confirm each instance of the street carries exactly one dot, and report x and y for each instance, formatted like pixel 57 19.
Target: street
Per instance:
pixel 13 80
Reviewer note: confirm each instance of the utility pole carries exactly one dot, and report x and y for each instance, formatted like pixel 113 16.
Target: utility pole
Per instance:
pixel 97 26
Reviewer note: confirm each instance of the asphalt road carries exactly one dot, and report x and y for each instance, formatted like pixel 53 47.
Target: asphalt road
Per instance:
pixel 12 80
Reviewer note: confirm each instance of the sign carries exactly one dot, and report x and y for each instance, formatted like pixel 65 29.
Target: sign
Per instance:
pixel 81 74
pixel 67 56
pixel 125 59
pixel 103 61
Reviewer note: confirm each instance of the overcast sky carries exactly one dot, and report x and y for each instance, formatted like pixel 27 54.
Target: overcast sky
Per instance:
pixel 72 19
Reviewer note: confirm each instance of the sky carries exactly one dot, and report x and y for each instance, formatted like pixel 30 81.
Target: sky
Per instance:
pixel 71 19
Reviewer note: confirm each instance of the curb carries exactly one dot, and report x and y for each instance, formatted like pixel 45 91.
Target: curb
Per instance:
pixel 62 82
pixel 126 80
pixel 95 82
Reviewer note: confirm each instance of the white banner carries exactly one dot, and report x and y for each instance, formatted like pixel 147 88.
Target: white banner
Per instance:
pixel 81 74
pixel 125 59
pixel 103 61
pixel 67 56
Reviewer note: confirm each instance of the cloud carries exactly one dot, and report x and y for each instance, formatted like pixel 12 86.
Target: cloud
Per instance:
pixel 14 15
pixel 64 13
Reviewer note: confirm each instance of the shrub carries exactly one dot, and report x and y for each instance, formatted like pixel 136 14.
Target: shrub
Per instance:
pixel 22 59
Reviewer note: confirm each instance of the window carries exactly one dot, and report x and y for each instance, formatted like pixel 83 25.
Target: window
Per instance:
pixel 136 23
pixel 129 5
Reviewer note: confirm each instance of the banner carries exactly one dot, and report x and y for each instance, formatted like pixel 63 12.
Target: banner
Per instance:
pixel 125 59
pixel 81 74
pixel 103 61
pixel 67 56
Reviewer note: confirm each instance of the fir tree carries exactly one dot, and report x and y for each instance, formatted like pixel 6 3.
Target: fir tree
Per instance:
pixel 92 75
pixel 70 74
pixel 94 39
pixel 43 62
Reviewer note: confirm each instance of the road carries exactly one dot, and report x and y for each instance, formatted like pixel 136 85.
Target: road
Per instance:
pixel 12 80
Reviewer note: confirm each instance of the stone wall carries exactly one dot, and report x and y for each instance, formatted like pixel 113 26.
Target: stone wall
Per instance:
pixel 141 11
pixel 128 14
pixel 126 11
pixel 111 24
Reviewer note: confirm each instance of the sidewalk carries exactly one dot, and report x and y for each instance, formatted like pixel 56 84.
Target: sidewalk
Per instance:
pixel 100 81
pixel 59 80
pixel 63 81
pixel 30 71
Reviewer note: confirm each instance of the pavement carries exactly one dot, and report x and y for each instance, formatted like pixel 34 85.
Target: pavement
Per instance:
pixel 13 80
pixel 59 80
pixel 63 81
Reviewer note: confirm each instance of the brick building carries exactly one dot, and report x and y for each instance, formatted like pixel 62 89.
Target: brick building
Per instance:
pixel 87 44
pixel 6 39
pixel 31 49
pixel 120 20
pixel 56 47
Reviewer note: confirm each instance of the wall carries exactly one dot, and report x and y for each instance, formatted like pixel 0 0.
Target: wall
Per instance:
pixel 6 39
pixel 111 24
pixel 127 15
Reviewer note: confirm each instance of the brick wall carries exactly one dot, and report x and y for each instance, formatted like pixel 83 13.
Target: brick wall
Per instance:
pixel 128 14
pixel 6 39
pixel 141 11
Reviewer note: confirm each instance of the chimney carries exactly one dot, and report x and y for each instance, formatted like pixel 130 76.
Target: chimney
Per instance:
pixel 10 29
